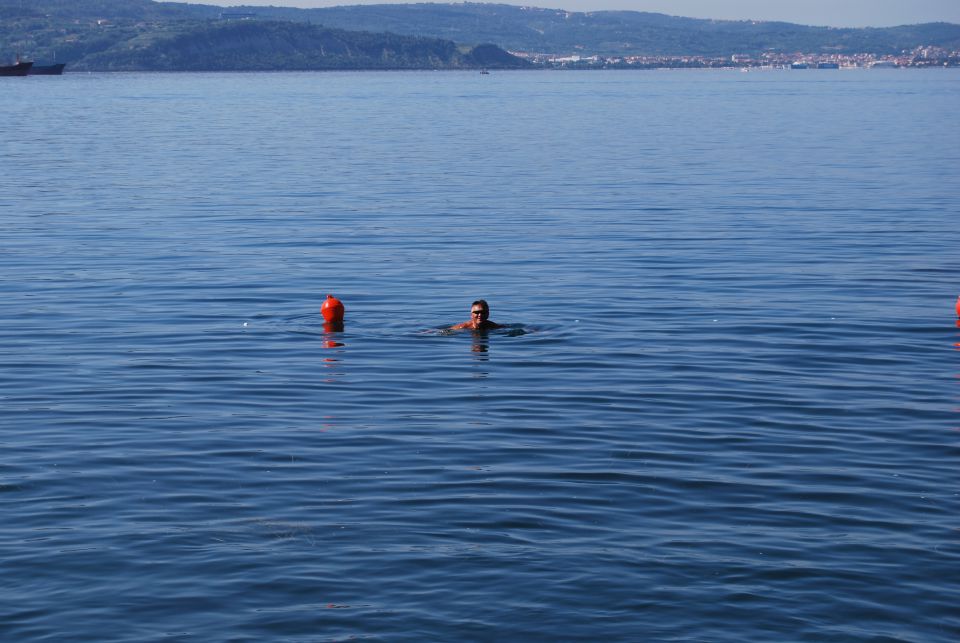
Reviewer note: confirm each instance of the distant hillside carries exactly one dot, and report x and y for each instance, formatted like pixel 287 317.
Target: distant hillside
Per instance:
pixel 270 46
pixel 143 34
pixel 616 32
pixel 101 9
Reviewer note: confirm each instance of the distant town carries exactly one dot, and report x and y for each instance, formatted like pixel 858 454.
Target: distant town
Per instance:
pixel 917 58
pixel 117 35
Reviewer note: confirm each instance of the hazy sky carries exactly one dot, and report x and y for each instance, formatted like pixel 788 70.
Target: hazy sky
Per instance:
pixel 835 13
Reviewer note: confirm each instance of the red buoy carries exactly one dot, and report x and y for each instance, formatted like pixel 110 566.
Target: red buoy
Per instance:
pixel 332 309
pixel 958 307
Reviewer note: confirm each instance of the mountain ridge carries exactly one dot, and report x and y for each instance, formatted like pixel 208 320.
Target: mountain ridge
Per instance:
pixel 144 34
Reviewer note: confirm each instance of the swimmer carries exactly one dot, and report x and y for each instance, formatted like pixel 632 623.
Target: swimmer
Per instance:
pixel 479 313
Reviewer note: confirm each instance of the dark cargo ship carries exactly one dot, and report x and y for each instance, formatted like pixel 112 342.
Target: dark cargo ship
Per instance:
pixel 19 69
pixel 47 70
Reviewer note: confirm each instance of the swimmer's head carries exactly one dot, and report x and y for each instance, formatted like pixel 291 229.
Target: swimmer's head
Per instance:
pixel 480 310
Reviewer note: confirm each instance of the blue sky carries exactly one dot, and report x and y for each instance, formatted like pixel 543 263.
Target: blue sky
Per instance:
pixel 834 13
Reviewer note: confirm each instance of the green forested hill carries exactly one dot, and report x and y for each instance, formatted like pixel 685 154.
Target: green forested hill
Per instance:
pixel 262 46
pixel 68 10
pixel 134 35
pixel 143 34
pixel 618 32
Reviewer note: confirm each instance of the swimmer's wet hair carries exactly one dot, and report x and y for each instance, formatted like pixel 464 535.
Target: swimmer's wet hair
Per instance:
pixel 481 302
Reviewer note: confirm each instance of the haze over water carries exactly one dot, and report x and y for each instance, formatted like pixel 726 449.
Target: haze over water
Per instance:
pixel 731 414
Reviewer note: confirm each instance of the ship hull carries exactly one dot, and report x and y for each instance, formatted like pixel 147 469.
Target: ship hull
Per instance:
pixel 47 70
pixel 20 69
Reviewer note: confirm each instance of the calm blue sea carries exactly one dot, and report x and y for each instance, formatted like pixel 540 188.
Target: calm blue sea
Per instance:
pixel 725 408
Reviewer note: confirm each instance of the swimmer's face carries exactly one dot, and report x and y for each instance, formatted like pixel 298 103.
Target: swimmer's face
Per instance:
pixel 479 314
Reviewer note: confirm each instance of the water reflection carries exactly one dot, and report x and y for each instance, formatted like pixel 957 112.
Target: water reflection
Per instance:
pixel 480 350
pixel 480 338
pixel 332 327
pixel 331 340
pixel 956 345
pixel 480 344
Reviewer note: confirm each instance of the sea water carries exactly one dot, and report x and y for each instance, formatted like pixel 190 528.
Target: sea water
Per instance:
pixel 725 408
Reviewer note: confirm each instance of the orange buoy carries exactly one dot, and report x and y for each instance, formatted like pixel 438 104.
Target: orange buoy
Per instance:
pixel 332 309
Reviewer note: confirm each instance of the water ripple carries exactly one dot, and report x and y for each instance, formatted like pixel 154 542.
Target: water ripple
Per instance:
pixel 724 406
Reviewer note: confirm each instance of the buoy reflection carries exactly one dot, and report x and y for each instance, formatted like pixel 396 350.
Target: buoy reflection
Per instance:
pixel 331 340
pixel 328 329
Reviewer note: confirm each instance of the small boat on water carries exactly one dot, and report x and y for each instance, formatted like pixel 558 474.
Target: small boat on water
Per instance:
pixel 21 68
pixel 47 70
